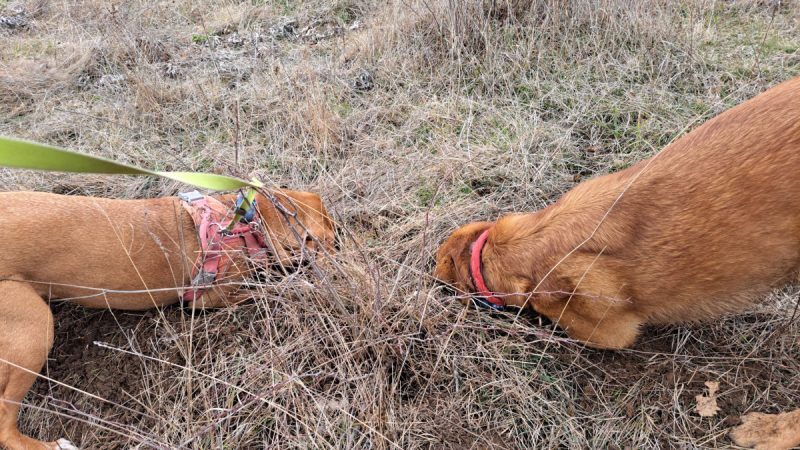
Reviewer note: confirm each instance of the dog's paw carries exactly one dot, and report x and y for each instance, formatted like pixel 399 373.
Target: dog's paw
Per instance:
pixel 64 444
pixel 767 431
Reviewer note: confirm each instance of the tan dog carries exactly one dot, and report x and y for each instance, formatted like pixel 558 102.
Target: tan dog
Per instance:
pixel 66 247
pixel 704 228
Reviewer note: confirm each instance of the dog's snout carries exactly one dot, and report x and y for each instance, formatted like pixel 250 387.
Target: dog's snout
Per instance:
pixel 447 288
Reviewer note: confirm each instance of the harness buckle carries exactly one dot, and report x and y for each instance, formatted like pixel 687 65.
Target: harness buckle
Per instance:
pixel 204 278
pixel 190 197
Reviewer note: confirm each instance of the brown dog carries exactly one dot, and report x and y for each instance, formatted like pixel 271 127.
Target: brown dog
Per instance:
pixel 124 254
pixel 705 227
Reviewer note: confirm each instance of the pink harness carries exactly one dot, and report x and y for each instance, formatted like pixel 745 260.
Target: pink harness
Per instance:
pixel 217 244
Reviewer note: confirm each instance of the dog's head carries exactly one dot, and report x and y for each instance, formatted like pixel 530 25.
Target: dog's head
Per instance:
pixel 505 268
pixel 452 258
pixel 297 227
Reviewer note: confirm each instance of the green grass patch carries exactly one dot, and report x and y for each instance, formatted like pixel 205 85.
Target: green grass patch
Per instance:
pixel 201 38
pixel 424 195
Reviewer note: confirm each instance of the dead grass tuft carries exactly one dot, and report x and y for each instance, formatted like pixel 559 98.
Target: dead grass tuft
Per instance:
pixel 29 80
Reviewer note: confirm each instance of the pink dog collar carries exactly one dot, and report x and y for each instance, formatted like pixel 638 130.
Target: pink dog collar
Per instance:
pixel 475 269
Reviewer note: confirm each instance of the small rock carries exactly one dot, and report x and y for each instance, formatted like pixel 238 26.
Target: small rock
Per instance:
pixel 171 71
pixel 235 40
pixel 364 81
pixel 111 80
pixel 14 22
pixel 285 30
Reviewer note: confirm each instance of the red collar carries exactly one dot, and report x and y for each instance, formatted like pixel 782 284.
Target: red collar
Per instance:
pixel 477 274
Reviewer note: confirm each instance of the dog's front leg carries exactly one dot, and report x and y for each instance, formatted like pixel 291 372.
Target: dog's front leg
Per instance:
pixel 26 335
pixel 597 321
pixel 221 297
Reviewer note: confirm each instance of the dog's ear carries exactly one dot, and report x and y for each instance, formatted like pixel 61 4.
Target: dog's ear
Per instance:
pixel 452 258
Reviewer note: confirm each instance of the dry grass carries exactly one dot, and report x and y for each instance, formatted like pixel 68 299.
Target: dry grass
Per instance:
pixel 410 117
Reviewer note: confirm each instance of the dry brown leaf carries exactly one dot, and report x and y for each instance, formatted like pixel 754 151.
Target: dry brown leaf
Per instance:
pixel 707 405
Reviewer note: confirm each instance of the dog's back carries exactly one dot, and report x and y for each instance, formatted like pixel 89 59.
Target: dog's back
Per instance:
pixel 59 242
pixel 712 220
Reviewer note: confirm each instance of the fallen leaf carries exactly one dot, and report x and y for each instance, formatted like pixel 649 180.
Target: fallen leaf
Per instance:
pixel 707 405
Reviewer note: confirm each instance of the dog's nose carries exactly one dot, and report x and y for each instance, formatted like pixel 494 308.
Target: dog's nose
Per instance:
pixel 447 288
pixel 310 244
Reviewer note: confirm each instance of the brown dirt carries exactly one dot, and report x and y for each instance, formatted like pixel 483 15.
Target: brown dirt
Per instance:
pixel 654 381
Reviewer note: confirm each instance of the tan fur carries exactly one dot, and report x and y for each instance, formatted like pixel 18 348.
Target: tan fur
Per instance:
pixel 68 247
pixel 704 228
pixel 768 431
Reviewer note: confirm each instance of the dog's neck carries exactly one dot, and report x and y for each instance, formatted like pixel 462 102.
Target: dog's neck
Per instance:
pixel 525 253
pixel 507 259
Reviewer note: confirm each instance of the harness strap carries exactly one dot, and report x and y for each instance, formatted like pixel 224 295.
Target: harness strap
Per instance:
pixel 217 241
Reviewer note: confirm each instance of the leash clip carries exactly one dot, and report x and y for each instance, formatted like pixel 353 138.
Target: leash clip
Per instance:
pixel 247 212
pixel 204 278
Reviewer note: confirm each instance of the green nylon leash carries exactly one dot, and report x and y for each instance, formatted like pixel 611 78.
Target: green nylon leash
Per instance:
pixel 22 154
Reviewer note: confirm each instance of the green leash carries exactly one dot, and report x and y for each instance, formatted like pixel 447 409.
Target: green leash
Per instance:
pixel 21 154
